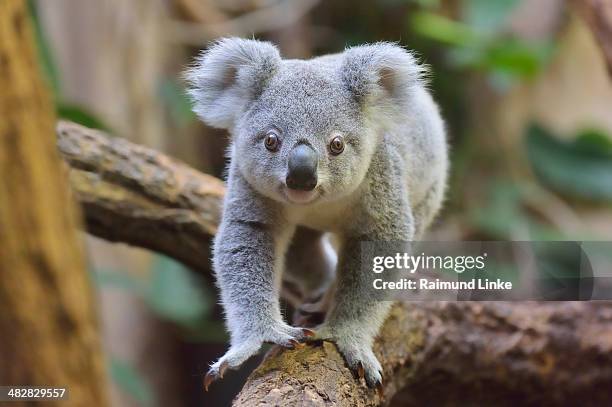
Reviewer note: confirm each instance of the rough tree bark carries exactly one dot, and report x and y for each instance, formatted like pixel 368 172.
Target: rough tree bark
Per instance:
pixel 449 353
pixel 136 195
pixel 48 327
pixel 460 353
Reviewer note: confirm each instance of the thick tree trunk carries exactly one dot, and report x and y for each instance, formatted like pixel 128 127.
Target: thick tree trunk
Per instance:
pixel 48 327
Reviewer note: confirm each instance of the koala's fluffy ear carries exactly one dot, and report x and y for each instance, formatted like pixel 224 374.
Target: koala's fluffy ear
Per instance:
pixel 229 75
pixel 382 73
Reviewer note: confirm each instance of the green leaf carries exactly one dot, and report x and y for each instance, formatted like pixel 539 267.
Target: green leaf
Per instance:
pixel 516 57
pixel 503 213
pixel 487 15
pixel 80 116
pixel 175 293
pixel 443 29
pixel 500 213
pixel 593 141
pixel 131 381
pixel 571 167
pixel 171 291
pixel 177 101
pixel 507 57
pixel 427 3
pixel 504 57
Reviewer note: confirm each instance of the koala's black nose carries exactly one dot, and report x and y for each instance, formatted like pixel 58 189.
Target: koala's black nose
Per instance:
pixel 302 165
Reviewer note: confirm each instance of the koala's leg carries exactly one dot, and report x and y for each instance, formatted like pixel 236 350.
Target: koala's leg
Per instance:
pixel 248 253
pixel 310 271
pixel 355 317
pixel 356 314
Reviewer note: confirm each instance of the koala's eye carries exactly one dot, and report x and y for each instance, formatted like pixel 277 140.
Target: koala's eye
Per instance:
pixel 336 145
pixel 272 140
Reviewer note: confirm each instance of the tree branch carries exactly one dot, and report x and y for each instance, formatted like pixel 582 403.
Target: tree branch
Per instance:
pixel 431 352
pixel 273 17
pixel 598 15
pixel 135 195
pixel 461 353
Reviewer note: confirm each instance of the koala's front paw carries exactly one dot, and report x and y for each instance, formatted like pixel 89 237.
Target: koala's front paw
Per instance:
pixel 277 332
pixel 357 353
pixel 233 358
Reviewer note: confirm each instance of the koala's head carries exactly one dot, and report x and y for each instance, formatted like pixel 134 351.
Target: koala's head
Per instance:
pixel 302 131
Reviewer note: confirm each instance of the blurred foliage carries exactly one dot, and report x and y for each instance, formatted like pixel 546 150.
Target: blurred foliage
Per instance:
pixel 577 169
pixel 80 115
pixel 173 293
pixel 175 98
pixel 487 15
pixel 481 42
pixel 563 270
pixel 131 382
pixel 505 214
pixel 478 42
pixel 581 168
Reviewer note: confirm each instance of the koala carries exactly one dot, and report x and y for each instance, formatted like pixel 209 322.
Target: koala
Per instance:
pixel 350 144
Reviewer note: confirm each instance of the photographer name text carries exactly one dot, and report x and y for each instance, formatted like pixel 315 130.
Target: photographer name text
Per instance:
pixel 423 263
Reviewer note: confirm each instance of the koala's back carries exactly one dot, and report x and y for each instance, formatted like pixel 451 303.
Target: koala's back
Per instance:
pixel 421 139
pixel 418 135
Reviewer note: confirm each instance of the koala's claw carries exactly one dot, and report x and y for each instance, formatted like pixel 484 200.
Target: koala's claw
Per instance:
pixel 380 389
pixel 367 369
pixel 213 374
pixel 308 332
pixel 277 333
pixel 287 336
pixel 209 378
pixel 223 368
pixel 232 359
pixel 293 344
pixel 360 370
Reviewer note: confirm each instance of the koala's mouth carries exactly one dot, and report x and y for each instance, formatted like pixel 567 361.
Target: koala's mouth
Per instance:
pixel 300 197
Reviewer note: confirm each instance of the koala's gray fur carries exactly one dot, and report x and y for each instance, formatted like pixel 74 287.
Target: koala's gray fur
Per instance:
pixel 387 185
